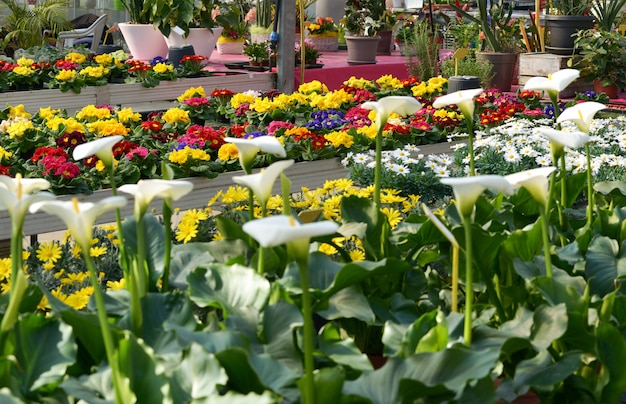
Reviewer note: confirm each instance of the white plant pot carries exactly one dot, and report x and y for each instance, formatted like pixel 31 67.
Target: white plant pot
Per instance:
pixel 202 40
pixel 144 41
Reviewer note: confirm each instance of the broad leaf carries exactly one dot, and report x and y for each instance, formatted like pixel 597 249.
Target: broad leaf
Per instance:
pixel 605 263
pixel 185 258
pixel 198 377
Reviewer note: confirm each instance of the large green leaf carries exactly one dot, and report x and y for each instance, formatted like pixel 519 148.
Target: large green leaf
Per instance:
pixel 94 388
pixel 241 375
pixel 198 377
pixel 279 323
pixel 360 210
pixel 611 351
pixel 239 291
pixel 525 243
pixel 575 184
pixel 235 251
pixel 605 263
pixel 341 350
pixel 185 258
pixel 154 240
pixel 45 348
pixel 448 370
pixel 612 191
pixel 328 384
pixel 428 334
pixel 540 372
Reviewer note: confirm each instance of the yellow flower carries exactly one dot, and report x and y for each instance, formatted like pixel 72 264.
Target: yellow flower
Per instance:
pixel 109 127
pixel 18 111
pixel 25 62
pixel 388 82
pixel 104 59
pixel 275 202
pixel 367 131
pixel 74 278
pixel 393 216
pixel 48 265
pixel 357 255
pixel 71 124
pixel 116 285
pixel 235 194
pixel 97 251
pixel 192 92
pixel 186 231
pixel 126 115
pixel 359 83
pixel 79 299
pixel 94 71
pixel 49 251
pixel 162 68
pixel 47 113
pixel 4 154
pixel 18 128
pixel 339 139
pixel 23 70
pixel 331 207
pixel 419 90
pixel 90 112
pixel 176 115
pixel 241 98
pixel 195 216
pixel 314 86
pixel 65 75
pixel 218 236
pixel 228 152
pixel 5 269
pixel 75 57
pixel 327 249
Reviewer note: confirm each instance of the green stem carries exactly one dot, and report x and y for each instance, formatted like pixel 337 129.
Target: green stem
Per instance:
pixel 250 204
pixel 546 241
pixel 590 196
pixel 167 222
pixel 470 147
pixel 19 284
pixel 139 285
pixel 285 187
pixel 378 168
pixel 308 330
pixel 107 336
pixel 469 282
pixel 118 222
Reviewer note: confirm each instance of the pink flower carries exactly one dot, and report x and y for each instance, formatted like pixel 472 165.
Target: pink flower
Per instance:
pixel 276 125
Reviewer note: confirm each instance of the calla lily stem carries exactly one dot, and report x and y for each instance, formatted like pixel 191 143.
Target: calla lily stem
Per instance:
pixel 469 282
pixel 307 329
pixel 545 232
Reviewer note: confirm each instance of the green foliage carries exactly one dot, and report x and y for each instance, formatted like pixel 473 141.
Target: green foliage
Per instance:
pixel 601 56
pixel 423 64
pixel 468 66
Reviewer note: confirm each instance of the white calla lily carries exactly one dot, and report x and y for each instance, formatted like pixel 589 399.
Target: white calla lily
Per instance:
pixel 101 148
pixel 463 99
pixel 554 83
pixel 468 189
pixel 581 114
pixel 79 217
pixel 145 191
pixel 384 107
pixel 261 183
pixel 18 194
pixel 573 139
pixel 249 148
pixel 535 181
pixel 277 230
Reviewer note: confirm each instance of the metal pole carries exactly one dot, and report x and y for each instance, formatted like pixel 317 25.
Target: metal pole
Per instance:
pixel 286 62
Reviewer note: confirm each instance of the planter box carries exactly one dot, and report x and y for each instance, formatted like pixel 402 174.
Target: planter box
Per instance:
pixel 543 64
pixel 136 96
pixel 310 174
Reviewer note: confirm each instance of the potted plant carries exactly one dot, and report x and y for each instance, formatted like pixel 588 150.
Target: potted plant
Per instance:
pixel 200 28
pixel 311 53
pixel 258 52
pixel 231 17
pixel 607 12
pixel 324 34
pixel 601 59
pixel 261 14
pixel 143 38
pixel 361 23
pixel 502 39
pixel 563 19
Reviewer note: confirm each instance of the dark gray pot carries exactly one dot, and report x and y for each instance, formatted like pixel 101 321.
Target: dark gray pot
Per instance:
pixel 561 29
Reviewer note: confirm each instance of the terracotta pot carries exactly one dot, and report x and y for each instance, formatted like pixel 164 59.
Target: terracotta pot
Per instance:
pixel 610 91
pixel 144 41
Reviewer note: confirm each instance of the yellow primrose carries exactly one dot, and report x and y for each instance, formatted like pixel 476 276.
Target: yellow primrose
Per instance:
pixel 313 86
pixel 94 71
pixel 388 82
pixel 359 83
pixel 89 112
pixel 368 131
pixel 176 115
pixel 26 62
pixel 162 68
pixel 228 152
pixel 419 90
pixel 109 127
pixel 339 139
pixel 104 59
pixel 75 57
pixel 18 111
pixel 65 75
pixel 191 92
pixel 18 128
pixel 4 154
pixel 126 115
pixel 48 112
pixel 240 98
pixel 23 70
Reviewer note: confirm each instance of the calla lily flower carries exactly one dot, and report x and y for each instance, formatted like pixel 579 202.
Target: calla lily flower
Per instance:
pixel 249 148
pixel 102 148
pixel 559 139
pixel 262 182
pixel 464 99
pixel 581 114
pixel 79 217
pixel 16 196
pixel 468 189
pixel 554 83
pixel 277 230
pixel 535 181
pixel 145 191
pixel 384 107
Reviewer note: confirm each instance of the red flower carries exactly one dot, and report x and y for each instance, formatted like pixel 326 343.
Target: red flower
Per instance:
pixel 152 125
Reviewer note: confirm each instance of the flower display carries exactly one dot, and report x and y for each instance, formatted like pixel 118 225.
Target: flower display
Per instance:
pixel 323 26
